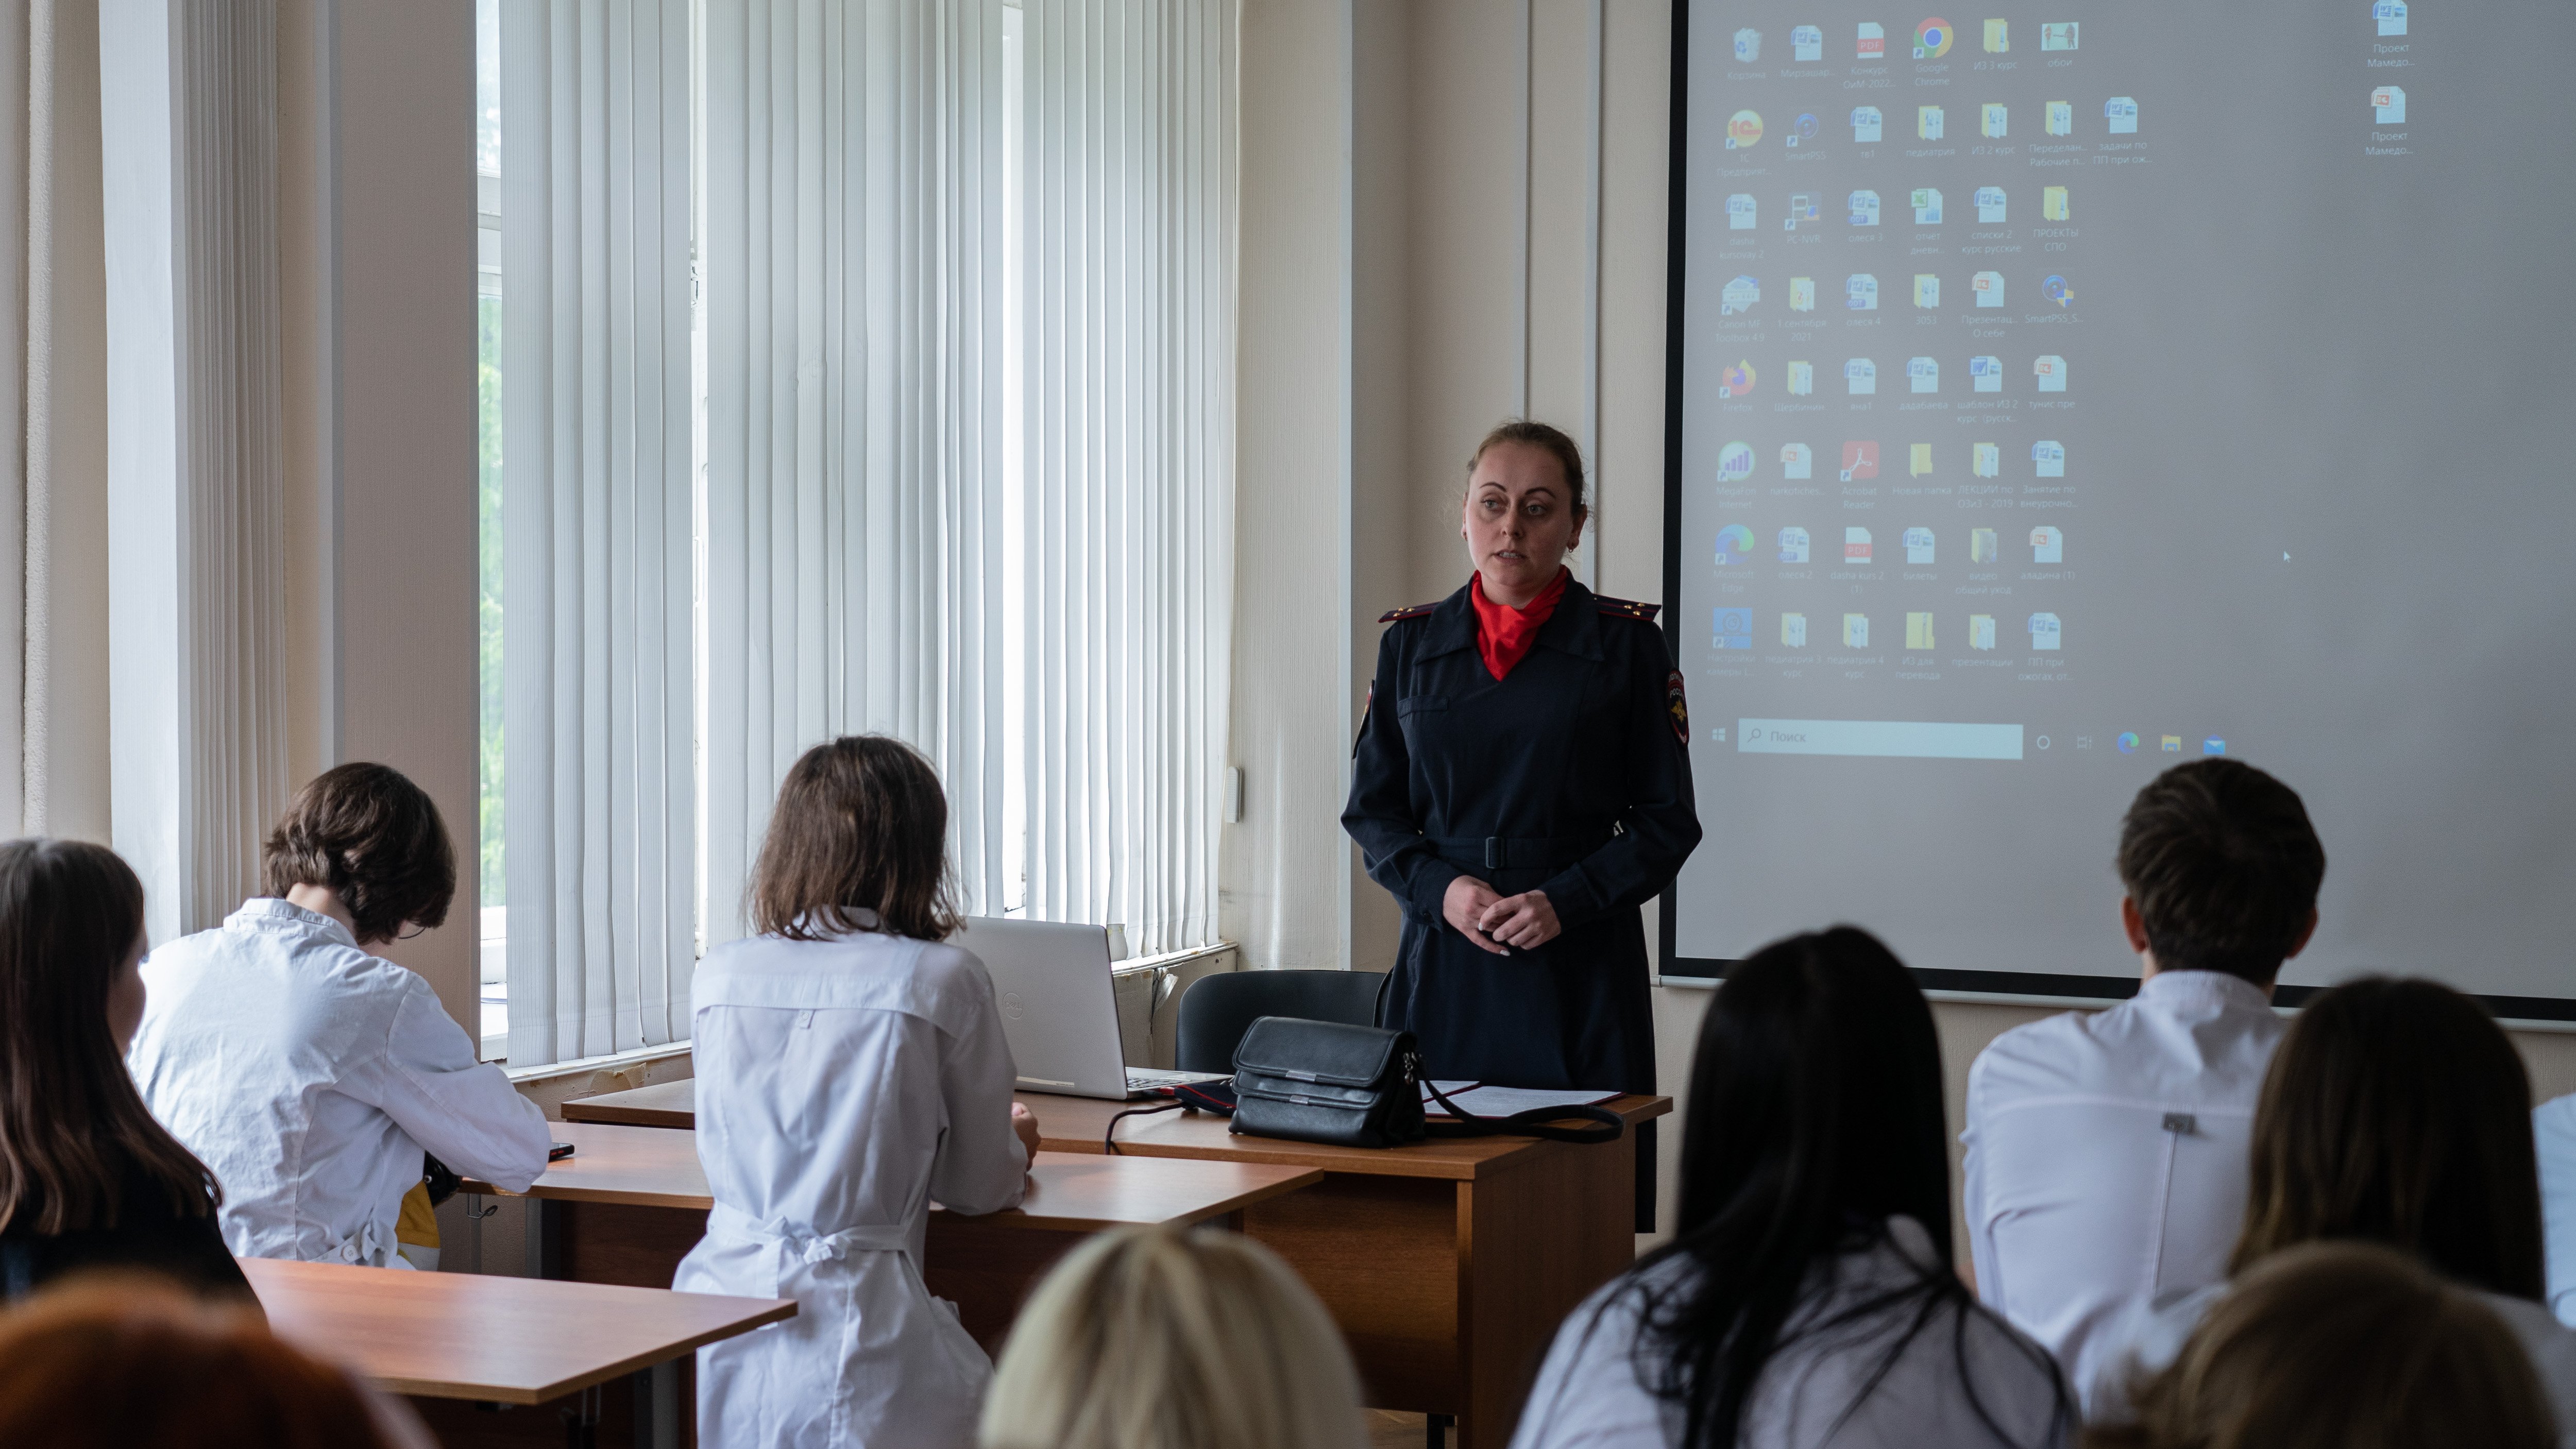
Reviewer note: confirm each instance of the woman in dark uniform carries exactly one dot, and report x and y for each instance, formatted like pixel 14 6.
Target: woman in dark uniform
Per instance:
pixel 1522 785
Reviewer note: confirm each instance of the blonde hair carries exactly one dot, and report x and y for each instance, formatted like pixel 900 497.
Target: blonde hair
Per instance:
pixel 1156 1338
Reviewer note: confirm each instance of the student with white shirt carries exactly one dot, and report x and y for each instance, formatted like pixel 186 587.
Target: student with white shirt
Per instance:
pixel 851 1069
pixel 308 1073
pixel 2106 1150
pixel 1809 1298
pixel 2397 1112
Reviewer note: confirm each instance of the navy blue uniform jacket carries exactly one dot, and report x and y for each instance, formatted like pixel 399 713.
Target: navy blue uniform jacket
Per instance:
pixel 1571 776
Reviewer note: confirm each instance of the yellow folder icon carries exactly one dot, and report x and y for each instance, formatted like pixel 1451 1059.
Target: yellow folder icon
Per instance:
pixel 1981 545
pixel 1918 631
pixel 2052 203
pixel 1920 459
pixel 1998 37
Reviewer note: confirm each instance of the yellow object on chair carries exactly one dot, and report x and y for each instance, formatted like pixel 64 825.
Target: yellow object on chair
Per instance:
pixel 416 1231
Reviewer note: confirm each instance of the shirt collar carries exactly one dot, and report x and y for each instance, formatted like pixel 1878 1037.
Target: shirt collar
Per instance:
pixel 268 913
pixel 2178 988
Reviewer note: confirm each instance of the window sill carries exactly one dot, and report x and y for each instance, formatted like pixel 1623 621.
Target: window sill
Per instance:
pixel 524 1077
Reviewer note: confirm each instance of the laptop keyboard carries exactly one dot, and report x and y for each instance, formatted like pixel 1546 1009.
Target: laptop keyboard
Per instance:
pixel 1148 1077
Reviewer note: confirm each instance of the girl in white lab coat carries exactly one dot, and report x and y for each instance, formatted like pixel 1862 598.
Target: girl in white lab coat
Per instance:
pixel 309 1073
pixel 850 1070
pixel 1809 1298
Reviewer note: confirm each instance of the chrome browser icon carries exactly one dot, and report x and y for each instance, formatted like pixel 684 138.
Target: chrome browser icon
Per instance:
pixel 1932 39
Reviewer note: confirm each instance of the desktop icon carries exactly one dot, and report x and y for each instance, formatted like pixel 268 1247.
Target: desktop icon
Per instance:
pixel 1748 46
pixel 2388 106
pixel 1927 122
pixel 1804 130
pixel 1873 40
pixel 1981 546
pixel 1738 295
pixel 1806 42
pixel 1856 545
pixel 1986 460
pixel 1802 379
pixel 1742 130
pixel 1918 544
pixel 1793 545
pixel 1802 211
pixel 1860 463
pixel 1735 541
pixel 1802 294
pixel 1734 465
pixel 1990 120
pixel 2122 114
pixel 1739 212
pixel 1981 631
pixel 2213 745
pixel 1989 287
pixel 2050 455
pixel 1927 290
pixel 2044 632
pixel 1735 381
pixel 1793 631
pixel 1918 631
pixel 1867 123
pixel 1990 205
pixel 2172 744
pixel 2047 545
pixel 2050 369
pixel 2391 15
pixel 2127 742
pixel 1986 374
pixel 2058 35
pixel 1998 36
pixel 1734 629
pixel 1932 39
pixel 1860 378
pixel 2061 118
pixel 1860 292
pixel 1922 374
pixel 1797 460
pixel 2054 288
pixel 2052 204
pixel 1927 206
pixel 1918 460
pixel 1864 208
pixel 1855 631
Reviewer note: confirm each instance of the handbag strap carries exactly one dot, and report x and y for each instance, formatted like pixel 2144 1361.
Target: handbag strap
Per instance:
pixel 1606 1125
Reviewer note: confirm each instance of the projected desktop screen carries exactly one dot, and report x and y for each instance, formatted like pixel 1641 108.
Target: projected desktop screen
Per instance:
pixel 2066 392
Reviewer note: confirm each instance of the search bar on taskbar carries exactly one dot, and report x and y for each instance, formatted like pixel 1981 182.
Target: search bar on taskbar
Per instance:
pixel 1909 739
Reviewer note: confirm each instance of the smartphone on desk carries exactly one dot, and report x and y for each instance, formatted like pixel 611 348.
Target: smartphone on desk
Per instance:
pixel 558 1152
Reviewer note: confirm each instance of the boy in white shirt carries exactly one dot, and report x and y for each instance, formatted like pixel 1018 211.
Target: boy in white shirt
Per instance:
pixel 2106 1151
pixel 309 1074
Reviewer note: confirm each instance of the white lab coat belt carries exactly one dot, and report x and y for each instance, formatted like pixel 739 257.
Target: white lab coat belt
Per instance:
pixel 371 1245
pixel 727 1222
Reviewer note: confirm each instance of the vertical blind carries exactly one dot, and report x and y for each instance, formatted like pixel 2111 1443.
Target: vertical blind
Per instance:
pixel 966 338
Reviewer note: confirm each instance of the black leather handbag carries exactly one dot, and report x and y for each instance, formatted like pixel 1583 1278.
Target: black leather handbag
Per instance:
pixel 1324 1081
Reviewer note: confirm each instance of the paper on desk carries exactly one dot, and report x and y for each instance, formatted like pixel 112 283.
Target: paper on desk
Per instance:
pixel 1504 1101
pixel 1451 1088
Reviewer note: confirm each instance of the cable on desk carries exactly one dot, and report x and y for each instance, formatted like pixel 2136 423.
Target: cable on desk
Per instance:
pixel 1109 1139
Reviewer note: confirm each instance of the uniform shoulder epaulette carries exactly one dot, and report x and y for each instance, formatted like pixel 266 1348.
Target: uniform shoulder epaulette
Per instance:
pixel 1416 612
pixel 1628 608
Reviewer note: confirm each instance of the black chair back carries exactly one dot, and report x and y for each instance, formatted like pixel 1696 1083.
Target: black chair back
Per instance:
pixel 1217 1009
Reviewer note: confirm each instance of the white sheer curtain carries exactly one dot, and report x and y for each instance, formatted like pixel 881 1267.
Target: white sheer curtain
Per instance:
pixel 599 791
pixel 1128 190
pixel 853 273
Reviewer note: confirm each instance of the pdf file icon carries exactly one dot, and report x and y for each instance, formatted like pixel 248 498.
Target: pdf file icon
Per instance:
pixel 1860 461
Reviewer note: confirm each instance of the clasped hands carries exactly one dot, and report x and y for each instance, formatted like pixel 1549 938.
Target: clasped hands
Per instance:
pixel 1497 922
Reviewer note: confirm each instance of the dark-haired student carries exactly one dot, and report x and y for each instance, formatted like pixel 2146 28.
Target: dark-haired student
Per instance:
pixel 1809 1298
pixel 2106 1150
pixel 2398 1113
pixel 851 1069
pixel 310 1074
pixel 87 1179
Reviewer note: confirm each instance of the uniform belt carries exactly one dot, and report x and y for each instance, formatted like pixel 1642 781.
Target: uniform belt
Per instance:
pixel 1516 852
pixel 812 1247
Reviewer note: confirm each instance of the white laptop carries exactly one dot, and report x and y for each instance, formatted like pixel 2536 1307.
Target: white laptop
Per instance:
pixel 1059 1008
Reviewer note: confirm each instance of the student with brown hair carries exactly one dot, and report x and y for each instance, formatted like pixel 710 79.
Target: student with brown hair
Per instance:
pixel 87 1178
pixel 851 1069
pixel 310 1074
pixel 2341 1346
pixel 2397 1112
pixel 115 1363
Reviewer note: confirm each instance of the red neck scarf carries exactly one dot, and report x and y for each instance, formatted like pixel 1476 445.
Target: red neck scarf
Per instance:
pixel 1503 633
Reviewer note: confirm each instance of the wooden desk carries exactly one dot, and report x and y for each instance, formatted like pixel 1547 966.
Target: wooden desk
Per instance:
pixel 462 1336
pixel 631 1201
pixel 1448 1264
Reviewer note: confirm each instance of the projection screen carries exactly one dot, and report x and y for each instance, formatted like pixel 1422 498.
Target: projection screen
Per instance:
pixel 2061 393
